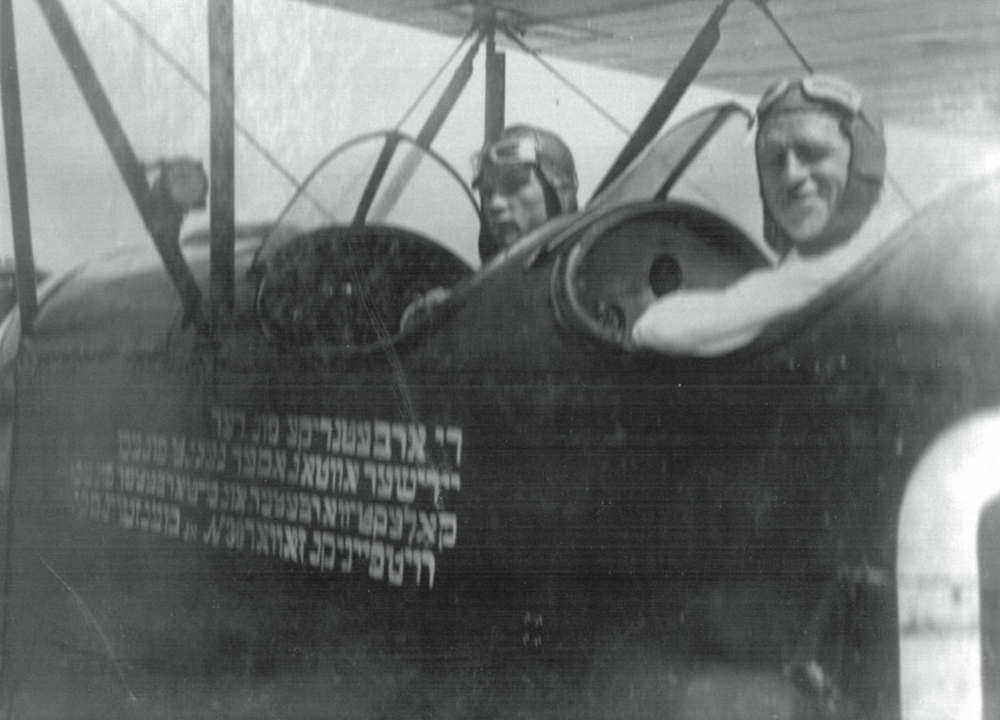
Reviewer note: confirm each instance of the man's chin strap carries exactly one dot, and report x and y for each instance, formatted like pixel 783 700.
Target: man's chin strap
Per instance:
pixel 553 205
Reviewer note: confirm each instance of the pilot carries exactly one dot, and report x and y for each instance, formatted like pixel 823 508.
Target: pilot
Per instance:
pixel 524 178
pixel 820 154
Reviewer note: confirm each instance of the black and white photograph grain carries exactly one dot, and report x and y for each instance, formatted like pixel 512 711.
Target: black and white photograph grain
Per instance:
pixel 500 360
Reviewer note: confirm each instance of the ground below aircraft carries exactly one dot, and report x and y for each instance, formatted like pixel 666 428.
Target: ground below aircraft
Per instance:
pixel 291 507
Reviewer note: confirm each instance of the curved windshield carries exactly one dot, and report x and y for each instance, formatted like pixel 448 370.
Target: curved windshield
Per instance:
pixel 413 189
pixel 707 161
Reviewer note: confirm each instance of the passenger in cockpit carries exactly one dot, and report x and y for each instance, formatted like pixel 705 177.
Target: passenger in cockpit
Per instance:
pixel 821 164
pixel 524 178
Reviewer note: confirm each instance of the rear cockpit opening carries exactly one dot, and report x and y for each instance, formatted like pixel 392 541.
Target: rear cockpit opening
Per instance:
pixel 633 255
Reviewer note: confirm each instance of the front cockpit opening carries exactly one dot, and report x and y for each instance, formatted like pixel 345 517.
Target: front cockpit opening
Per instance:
pixel 378 223
pixel 636 254
pixel 345 289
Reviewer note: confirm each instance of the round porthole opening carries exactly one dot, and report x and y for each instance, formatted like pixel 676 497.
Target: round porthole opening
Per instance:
pixel 665 275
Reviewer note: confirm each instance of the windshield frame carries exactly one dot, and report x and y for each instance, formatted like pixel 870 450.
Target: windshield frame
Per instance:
pixel 660 171
pixel 618 192
pixel 282 231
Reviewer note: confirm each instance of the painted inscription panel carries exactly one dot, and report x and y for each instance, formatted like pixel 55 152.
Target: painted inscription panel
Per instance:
pixel 329 494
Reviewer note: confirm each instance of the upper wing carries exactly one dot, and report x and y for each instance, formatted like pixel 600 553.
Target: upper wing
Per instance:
pixel 926 62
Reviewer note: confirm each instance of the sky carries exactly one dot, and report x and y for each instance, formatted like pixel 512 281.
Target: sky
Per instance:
pixel 307 79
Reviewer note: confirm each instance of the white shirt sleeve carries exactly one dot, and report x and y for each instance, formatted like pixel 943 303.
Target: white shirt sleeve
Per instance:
pixel 713 322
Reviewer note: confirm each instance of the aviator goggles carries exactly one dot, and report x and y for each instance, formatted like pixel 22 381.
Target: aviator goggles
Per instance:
pixel 818 88
pixel 513 151
pixel 504 153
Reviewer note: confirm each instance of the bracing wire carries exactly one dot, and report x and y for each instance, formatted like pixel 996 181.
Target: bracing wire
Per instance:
pixel 89 616
pixel 435 78
pixel 402 386
pixel 762 4
pixel 567 82
pixel 191 80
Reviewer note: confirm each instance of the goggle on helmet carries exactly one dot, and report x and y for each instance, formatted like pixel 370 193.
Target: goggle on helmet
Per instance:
pixel 823 88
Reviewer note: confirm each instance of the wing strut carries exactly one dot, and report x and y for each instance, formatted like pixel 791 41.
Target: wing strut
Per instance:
pixel 424 139
pixel 222 172
pixel 496 90
pixel 17 173
pixel 671 94
pixel 161 217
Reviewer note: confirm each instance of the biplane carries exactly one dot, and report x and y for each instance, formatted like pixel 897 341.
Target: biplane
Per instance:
pixel 233 484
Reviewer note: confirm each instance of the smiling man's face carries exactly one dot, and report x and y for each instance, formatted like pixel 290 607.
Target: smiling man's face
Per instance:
pixel 804 160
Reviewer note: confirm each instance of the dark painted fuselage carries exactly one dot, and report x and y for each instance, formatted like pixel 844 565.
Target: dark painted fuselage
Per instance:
pixel 495 513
